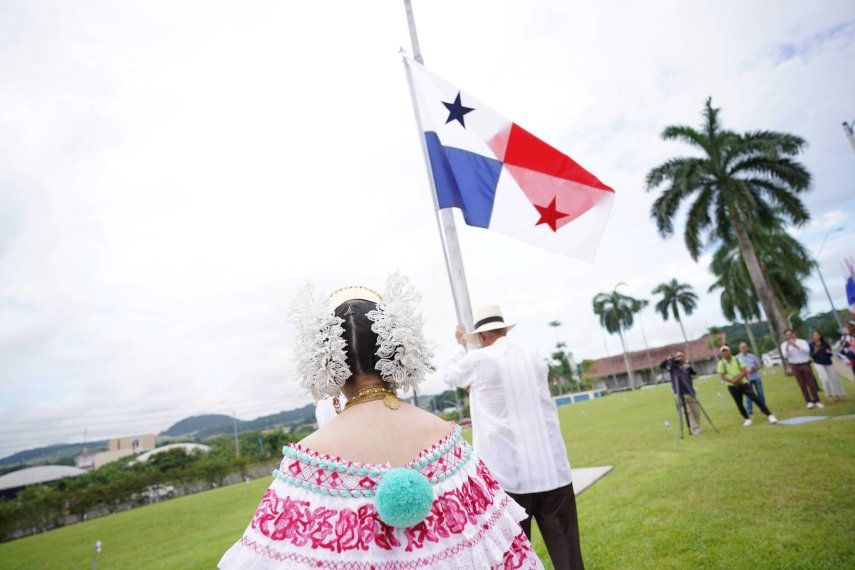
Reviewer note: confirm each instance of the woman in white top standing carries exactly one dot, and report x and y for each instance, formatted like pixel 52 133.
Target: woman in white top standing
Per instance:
pixel 384 485
pixel 822 356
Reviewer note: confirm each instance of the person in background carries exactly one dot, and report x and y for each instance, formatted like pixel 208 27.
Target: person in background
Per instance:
pixel 515 428
pixel 752 365
pixel 681 384
pixel 846 344
pixel 734 373
pixel 821 353
pixel 797 353
pixel 326 410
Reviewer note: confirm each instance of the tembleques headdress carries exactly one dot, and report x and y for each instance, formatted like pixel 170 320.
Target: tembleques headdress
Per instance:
pixel 404 352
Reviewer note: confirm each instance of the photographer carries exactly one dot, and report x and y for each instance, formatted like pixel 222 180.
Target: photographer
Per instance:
pixel 682 386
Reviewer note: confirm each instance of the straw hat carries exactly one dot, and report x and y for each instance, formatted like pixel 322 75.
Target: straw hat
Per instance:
pixel 487 318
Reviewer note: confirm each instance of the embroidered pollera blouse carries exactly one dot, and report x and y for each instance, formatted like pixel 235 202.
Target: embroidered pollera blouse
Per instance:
pixel 319 513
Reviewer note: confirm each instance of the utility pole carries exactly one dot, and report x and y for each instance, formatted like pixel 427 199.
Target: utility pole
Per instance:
pixel 821 279
pixel 237 447
pixel 850 135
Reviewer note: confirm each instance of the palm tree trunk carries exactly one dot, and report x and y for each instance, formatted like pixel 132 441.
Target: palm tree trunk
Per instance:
pixel 771 306
pixel 626 360
pixel 685 338
pixel 751 339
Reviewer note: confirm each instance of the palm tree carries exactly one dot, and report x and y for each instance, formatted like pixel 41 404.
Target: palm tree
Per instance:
pixel 734 187
pixel 616 312
pixel 555 325
pixel 785 261
pixel 674 296
pixel 641 305
pixel 738 302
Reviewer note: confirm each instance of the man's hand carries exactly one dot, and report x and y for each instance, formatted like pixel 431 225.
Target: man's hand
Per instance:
pixel 458 335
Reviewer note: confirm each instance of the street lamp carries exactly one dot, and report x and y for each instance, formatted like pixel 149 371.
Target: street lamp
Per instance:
pixel 822 280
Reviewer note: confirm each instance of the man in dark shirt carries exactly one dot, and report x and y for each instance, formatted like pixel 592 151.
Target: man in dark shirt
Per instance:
pixel 682 386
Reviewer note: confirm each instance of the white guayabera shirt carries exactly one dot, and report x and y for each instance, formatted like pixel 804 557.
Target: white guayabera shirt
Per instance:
pixel 514 419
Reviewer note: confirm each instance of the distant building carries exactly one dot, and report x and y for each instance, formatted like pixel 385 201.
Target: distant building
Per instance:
pixel 610 373
pixel 13 482
pixel 187 447
pixel 86 460
pixel 117 448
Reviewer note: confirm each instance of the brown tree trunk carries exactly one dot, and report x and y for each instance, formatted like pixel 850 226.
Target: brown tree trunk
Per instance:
pixel 774 315
pixel 752 340
pixel 685 338
pixel 629 373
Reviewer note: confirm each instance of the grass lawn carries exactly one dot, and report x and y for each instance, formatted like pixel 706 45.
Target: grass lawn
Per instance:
pixel 758 497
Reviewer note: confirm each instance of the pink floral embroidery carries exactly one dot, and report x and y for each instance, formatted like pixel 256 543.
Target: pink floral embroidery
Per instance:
pixel 340 530
pixel 519 553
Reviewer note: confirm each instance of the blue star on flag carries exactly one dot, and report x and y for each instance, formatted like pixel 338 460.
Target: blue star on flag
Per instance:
pixel 457 110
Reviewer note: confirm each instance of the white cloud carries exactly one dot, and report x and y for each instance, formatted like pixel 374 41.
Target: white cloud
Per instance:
pixel 171 173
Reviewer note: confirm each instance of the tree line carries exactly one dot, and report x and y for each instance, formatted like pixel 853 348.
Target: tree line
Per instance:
pixel 122 483
pixel 740 192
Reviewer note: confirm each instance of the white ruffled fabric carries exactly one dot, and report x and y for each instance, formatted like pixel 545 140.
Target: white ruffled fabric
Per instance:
pixel 404 351
pixel 319 345
pixel 481 544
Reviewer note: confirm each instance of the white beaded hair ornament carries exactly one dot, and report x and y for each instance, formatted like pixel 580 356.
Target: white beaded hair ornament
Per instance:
pixel 319 351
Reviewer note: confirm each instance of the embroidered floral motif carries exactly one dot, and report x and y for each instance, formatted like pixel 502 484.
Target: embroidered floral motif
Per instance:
pixel 518 554
pixel 339 530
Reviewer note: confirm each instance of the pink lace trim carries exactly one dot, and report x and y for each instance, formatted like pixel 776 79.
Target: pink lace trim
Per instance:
pixel 341 530
pixel 365 476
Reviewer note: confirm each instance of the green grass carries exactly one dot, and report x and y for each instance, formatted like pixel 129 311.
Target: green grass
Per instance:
pixel 759 497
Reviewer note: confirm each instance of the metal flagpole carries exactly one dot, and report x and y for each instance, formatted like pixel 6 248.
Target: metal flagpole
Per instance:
pixel 444 217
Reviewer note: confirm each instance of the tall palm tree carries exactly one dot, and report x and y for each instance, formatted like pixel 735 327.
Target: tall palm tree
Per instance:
pixel 616 312
pixel 555 325
pixel 674 296
pixel 785 261
pixel 738 303
pixel 734 185
pixel 641 305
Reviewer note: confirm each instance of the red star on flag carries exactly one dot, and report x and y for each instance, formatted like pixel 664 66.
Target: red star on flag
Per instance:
pixel 550 215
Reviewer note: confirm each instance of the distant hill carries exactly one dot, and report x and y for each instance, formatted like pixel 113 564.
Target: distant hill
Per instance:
pixel 192 428
pixel 824 322
pixel 51 454
pixel 204 426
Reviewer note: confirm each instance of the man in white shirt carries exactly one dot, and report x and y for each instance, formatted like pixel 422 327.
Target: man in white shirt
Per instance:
pixel 516 430
pixel 797 353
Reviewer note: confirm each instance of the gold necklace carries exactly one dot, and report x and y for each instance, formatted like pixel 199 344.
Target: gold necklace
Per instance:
pixel 375 392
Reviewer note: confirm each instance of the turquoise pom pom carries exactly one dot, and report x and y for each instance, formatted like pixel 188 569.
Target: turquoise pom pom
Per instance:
pixel 403 498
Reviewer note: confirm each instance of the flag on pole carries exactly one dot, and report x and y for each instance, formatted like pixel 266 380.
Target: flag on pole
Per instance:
pixel 505 179
pixel 850 293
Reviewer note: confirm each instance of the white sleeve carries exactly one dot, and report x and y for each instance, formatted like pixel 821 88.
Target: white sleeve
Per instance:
pixel 460 372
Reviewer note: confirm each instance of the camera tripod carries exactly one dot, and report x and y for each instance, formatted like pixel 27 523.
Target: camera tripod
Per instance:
pixel 679 398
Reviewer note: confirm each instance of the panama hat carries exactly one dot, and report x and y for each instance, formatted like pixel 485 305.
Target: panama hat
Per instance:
pixel 487 318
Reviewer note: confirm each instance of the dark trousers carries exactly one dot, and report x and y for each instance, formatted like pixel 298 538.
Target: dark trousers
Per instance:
pixel 555 513
pixel 746 390
pixel 807 382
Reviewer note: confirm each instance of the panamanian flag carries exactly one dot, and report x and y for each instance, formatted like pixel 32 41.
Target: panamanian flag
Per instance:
pixel 505 179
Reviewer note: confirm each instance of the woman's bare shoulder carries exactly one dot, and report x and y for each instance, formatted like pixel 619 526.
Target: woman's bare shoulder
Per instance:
pixel 375 434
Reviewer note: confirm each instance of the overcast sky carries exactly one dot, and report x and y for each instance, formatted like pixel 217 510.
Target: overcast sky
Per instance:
pixel 172 172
